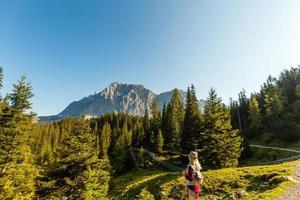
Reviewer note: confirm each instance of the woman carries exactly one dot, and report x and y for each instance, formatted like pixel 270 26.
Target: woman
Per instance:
pixel 193 188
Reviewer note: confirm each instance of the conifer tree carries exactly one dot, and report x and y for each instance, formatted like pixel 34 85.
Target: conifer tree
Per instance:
pixel 191 123
pixel 159 142
pixel 87 174
pixel 146 128
pixel 177 104
pixel 104 140
pixel 255 118
pixel 137 135
pixel 272 101
pixel 174 119
pixel 18 172
pixel 221 145
pixel 235 114
pixel 45 147
pixel 120 153
pixel 125 138
pixel 155 124
pixel 243 111
pixel 164 125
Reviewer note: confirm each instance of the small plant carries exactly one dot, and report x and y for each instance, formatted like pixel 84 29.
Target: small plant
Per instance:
pixel 145 194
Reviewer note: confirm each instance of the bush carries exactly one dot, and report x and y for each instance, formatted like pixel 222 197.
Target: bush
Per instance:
pixel 145 195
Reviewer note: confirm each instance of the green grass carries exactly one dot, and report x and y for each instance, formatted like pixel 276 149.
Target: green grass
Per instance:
pixel 258 182
pixel 279 143
pixel 260 155
pixel 130 184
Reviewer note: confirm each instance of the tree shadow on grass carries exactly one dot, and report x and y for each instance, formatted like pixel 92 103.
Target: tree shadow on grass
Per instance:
pixel 152 185
pixel 264 182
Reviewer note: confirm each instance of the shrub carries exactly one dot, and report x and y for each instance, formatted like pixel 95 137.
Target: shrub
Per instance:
pixel 145 195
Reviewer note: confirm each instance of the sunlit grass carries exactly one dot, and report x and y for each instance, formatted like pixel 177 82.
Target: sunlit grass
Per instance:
pixel 258 182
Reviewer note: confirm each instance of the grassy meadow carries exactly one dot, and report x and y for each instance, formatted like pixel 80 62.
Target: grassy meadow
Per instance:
pixel 257 182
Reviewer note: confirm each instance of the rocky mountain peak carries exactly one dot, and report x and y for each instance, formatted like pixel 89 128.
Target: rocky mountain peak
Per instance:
pixel 118 97
pixel 116 89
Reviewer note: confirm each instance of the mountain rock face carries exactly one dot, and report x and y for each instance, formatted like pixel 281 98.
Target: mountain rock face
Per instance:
pixel 120 98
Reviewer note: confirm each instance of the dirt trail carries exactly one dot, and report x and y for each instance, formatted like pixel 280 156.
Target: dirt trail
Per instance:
pixel 293 193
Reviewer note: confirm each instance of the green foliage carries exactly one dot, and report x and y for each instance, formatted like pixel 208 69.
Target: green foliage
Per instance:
pixel 125 139
pixel 146 129
pixel 77 170
pixel 191 123
pixel 172 122
pixel 272 99
pixel 220 144
pixel 145 194
pixel 260 155
pixel 18 172
pixel 155 124
pixel 18 181
pixel 255 117
pixel 273 112
pixel 20 96
pixel 97 179
pixel 104 140
pixel 297 90
pixel 159 142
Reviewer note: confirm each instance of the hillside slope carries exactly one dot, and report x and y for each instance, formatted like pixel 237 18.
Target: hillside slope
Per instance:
pixel 258 182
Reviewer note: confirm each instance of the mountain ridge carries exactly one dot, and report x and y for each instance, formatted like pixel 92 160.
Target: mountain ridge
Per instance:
pixel 132 99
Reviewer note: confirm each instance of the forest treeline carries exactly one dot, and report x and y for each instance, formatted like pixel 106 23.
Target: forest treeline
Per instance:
pixel 77 157
pixel 271 114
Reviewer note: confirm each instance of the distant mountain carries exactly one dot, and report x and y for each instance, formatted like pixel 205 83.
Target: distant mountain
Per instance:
pixel 165 97
pixel 120 98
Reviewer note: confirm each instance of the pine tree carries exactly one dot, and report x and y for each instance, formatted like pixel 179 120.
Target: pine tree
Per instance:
pixel 146 128
pixel 243 111
pixel 191 123
pixel 235 114
pixel 174 119
pixel 88 176
pixel 159 142
pixel 45 149
pixel 137 135
pixel 21 95
pixel 164 120
pixel 97 177
pixel 221 146
pixel 177 104
pixel 119 155
pixel 272 101
pixel 18 172
pixel 125 138
pixel 255 117
pixel 155 124
pixel 105 140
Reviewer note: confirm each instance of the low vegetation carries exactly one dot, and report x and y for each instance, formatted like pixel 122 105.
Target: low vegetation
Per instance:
pixel 259 182
pixel 279 143
pixel 260 155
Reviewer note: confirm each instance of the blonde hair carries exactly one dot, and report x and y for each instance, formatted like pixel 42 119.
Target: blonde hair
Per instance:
pixel 195 163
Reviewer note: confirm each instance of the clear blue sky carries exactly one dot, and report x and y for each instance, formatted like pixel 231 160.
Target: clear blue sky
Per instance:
pixel 70 49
